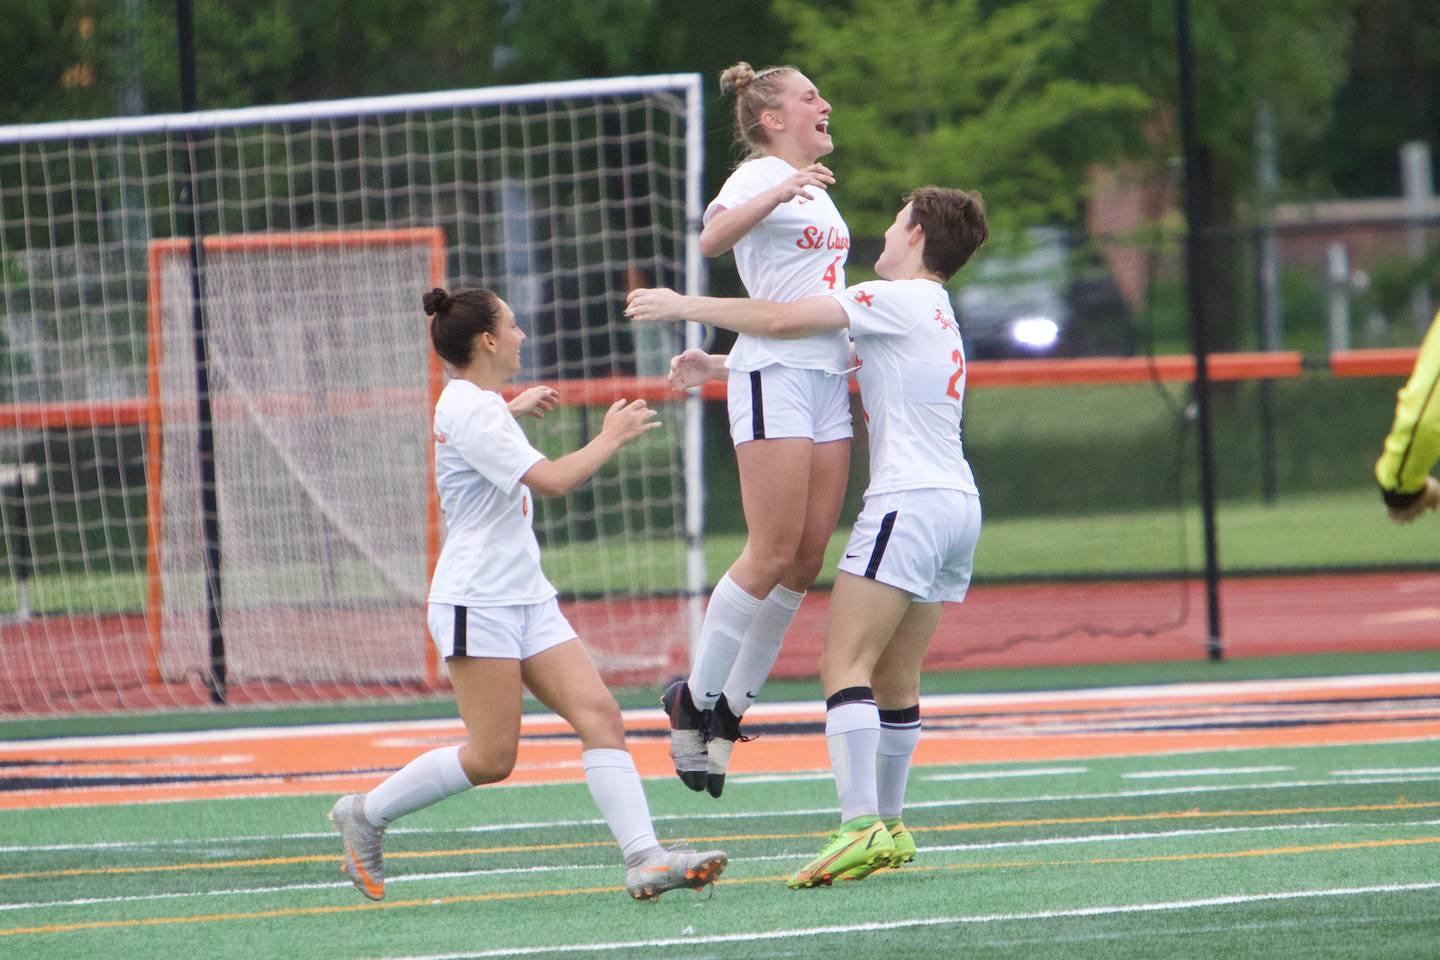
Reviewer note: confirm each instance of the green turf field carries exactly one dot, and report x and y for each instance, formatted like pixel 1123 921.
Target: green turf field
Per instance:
pixel 1316 852
pixel 1327 530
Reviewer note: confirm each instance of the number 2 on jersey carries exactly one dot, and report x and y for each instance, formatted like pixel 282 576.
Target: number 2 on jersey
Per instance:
pixel 958 358
pixel 830 276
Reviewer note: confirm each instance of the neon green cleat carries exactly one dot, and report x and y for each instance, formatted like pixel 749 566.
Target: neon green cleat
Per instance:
pixel 855 851
pixel 904 842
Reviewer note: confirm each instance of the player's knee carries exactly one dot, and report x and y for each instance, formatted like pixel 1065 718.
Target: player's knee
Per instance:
pixel 769 562
pixel 849 668
pixel 894 686
pixel 804 570
pixel 599 723
pixel 487 762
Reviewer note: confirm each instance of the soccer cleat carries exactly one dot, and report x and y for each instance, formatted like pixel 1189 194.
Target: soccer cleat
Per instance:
pixel 688 724
pixel 904 842
pixel 724 733
pixel 679 868
pixel 363 860
pixel 859 848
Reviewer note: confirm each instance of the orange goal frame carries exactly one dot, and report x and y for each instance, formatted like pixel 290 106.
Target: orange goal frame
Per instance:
pixel 431 237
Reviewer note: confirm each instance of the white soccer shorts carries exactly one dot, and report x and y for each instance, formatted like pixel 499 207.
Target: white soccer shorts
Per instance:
pixel 775 402
pixel 503 633
pixel 919 541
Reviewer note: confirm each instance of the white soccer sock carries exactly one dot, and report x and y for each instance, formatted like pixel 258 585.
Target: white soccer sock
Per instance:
pixel 760 647
pixel 899 732
pixel 852 734
pixel 727 617
pixel 429 778
pixel 615 786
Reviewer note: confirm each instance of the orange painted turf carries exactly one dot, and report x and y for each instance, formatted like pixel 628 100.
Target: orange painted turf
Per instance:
pixel 317 760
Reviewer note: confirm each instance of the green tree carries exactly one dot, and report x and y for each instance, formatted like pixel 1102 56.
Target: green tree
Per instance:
pixel 247 52
pixel 1291 54
pixel 963 93
pixel 1391 96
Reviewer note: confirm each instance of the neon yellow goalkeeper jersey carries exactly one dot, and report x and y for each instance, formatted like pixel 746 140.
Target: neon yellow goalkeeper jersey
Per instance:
pixel 1413 445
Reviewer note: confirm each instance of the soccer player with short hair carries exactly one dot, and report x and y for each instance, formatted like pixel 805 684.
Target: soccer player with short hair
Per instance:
pixel 789 408
pixel 913 545
pixel 493 614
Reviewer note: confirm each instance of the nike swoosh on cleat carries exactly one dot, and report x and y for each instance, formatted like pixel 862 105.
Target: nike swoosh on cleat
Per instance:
pixel 371 887
pixel 871 842
pixel 833 857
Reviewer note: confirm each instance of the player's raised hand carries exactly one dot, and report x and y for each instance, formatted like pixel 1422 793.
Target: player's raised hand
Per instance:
pixel 651 305
pixel 625 422
pixel 694 368
pixel 795 185
pixel 534 402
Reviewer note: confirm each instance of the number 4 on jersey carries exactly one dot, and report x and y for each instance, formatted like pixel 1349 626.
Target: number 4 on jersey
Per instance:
pixel 830 276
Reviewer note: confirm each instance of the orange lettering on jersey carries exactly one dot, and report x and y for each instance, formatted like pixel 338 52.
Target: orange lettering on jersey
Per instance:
pixel 945 322
pixel 865 298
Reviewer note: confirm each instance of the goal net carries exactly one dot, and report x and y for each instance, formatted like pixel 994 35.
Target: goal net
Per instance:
pixel 321 225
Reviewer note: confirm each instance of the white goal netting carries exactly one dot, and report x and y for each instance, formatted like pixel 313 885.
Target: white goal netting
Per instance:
pixel 322 225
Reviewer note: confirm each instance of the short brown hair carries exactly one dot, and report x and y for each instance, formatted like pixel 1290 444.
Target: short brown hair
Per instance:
pixel 954 225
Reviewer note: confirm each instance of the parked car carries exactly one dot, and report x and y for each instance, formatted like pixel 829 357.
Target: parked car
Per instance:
pixel 1041 297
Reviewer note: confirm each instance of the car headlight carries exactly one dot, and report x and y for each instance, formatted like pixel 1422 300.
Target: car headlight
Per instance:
pixel 1035 332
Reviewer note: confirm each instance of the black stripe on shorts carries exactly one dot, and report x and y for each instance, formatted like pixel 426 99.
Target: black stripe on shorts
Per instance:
pixel 459 645
pixel 757 406
pixel 881 539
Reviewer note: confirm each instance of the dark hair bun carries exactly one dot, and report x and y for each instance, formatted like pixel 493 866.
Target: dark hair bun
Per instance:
pixel 436 301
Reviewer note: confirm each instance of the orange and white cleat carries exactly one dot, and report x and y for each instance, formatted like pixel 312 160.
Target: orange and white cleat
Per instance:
pixel 363 860
pixel 678 868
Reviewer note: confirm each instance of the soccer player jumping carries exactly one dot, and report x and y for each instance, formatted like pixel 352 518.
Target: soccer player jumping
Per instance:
pixel 789 405
pixel 913 545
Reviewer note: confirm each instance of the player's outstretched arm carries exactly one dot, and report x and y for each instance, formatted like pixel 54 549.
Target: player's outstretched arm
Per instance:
pixel 533 402
pixel 624 423
pixel 695 368
pixel 760 318
pixel 727 226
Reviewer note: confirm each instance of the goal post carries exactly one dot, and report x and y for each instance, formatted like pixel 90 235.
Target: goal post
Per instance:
pixel 276 304
pixel 321 225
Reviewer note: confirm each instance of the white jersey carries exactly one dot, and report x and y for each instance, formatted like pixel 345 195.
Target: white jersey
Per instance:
pixel 912 384
pixel 799 250
pixel 490 557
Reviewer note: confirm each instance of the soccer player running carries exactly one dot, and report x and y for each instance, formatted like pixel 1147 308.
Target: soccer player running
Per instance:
pixel 493 614
pixel 1413 445
pixel 789 408
pixel 913 544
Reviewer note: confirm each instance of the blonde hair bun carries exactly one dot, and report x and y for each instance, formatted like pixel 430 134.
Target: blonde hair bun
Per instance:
pixel 735 79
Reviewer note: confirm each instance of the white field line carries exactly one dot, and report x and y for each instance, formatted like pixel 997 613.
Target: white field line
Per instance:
pixel 1159 692
pixel 1391 771
pixel 880 926
pixel 1004 774
pixel 225 842
pixel 573 867
pixel 1206 772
